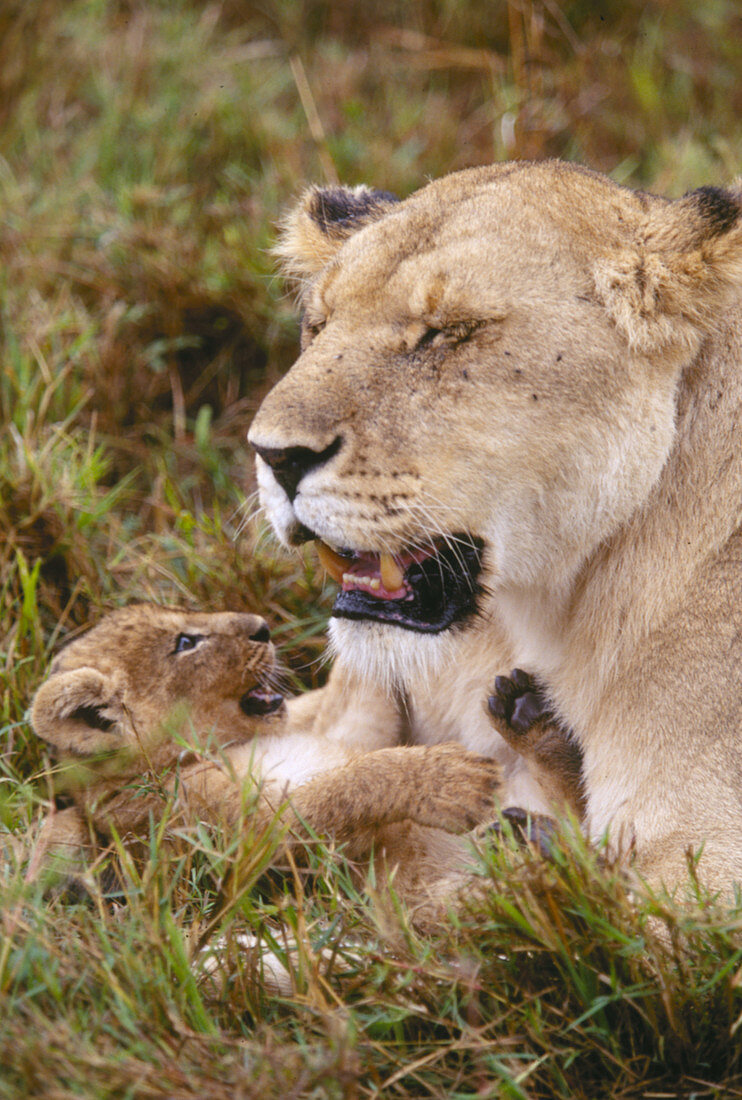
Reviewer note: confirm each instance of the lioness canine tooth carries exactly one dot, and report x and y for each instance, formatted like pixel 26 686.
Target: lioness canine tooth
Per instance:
pixel 329 560
pixel 391 575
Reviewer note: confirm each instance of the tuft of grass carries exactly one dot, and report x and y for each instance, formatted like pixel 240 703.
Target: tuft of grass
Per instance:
pixel 546 982
pixel 146 152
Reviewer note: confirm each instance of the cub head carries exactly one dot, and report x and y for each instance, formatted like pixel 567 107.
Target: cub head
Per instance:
pixel 487 386
pixel 147 678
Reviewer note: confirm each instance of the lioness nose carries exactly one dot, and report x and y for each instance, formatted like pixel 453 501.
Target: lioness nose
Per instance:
pixel 290 464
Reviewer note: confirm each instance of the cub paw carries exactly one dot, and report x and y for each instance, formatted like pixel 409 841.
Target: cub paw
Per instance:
pixel 459 788
pixel 518 706
pixel 522 715
pixel 535 830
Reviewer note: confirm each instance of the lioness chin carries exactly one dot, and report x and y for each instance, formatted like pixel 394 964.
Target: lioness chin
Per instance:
pixel 514 431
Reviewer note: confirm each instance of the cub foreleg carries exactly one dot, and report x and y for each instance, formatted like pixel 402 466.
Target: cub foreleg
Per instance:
pixel 522 715
pixel 440 786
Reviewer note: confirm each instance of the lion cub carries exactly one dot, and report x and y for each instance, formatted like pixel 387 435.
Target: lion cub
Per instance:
pixel 131 707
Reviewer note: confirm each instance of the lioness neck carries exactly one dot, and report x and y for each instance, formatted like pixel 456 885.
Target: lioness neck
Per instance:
pixel 654 568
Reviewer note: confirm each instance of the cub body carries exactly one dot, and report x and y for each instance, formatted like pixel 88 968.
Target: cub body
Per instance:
pixel 131 708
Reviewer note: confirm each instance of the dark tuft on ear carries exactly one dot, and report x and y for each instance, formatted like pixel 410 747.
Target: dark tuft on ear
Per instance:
pixel 92 717
pixel 338 206
pixel 322 220
pixel 718 208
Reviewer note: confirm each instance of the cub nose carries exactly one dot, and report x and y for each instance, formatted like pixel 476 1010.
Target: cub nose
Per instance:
pixel 290 464
pixel 262 633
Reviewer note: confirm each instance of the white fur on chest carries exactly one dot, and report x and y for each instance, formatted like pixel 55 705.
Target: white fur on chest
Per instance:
pixel 286 761
pixel 611 793
pixel 534 621
pixel 457 711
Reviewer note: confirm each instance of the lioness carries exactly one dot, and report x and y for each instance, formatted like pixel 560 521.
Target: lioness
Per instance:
pixel 131 705
pixel 514 431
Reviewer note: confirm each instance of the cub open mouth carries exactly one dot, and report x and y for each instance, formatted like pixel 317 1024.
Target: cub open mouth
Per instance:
pixel 259 701
pixel 424 590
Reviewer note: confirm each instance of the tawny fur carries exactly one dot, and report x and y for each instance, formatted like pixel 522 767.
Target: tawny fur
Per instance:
pixel 163 708
pixel 587 427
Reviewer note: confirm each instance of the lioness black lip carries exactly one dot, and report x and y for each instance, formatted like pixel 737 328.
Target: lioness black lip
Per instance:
pixel 300 534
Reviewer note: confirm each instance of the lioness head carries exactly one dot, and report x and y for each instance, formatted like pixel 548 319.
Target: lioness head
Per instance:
pixel 487 386
pixel 146 672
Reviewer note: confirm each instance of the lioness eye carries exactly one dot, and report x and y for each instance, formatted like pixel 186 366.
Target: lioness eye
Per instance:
pixel 311 327
pixel 451 334
pixel 187 641
pixel 430 336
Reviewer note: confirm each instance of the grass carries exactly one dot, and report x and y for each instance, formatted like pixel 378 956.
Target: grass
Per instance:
pixel 146 152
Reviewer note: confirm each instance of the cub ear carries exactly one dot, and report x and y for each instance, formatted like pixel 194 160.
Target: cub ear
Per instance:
pixel 81 712
pixel 671 285
pixel 322 220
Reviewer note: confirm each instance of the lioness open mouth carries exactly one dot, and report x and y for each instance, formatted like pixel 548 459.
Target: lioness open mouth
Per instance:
pixel 424 590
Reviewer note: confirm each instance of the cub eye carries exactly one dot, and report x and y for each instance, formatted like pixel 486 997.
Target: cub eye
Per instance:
pixel 187 641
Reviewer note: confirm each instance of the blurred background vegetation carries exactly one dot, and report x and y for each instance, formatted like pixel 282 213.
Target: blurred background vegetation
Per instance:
pixel 147 149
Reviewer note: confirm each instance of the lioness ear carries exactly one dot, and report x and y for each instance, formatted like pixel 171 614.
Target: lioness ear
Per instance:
pixel 671 285
pixel 81 712
pixel 323 218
